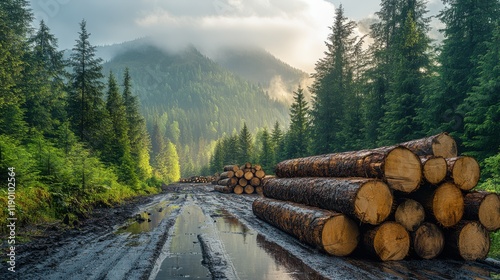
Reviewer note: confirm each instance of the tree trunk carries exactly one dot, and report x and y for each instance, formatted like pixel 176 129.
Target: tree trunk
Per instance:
pixel 238 189
pixel 440 145
pixel 484 207
pixel 260 174
pixel 427 241
pixel 231 182
pixel 398 166
pixel 255 182
pixel 464 171
pixel 223 189
pixel 332 232
pixel 227 174
pixel 468 240
pixel 434 169
pixel 233 168
pixel 445 203
pixel 389 242
pixel 259 190
pixel 410 214
pixel 249 189
pixel 368 200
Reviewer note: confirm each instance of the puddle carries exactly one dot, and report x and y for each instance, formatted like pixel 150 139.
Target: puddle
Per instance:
pixel 148 219
pixel 184 260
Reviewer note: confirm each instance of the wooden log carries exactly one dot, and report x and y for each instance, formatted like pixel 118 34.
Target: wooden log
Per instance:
pixel 259 190
pixel 464 171
pixel 229 182
pixel 248 175
pixel 260 174
pixel 427 241
pixel 389 242
pixel 243 182
pixel 398 166
pixel 445 204
pixel 434 168
pixel 233 168
pixel 367 200
pixel 468 240
pixel 484 207
pixel 410 214
pixel 223 189
pixel 248 165
pixel 227 174
pixel 249 189
pixel 255 181
pixel 440 145
pixel 331 232
pixel 238 189
pixel 257 167
pixel 239 173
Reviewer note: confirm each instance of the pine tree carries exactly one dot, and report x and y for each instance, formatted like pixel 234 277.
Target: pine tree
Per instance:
pixel 299 137
pixel 482 122
pixel 267 155
pixel 278 144
pixel 86 105
pixel 245 147
pixel 469 25
pixel 217 160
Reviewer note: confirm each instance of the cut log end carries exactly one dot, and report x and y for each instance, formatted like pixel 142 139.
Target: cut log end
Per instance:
pixel 373 202
pixel 391 242
pixel 410 214
pixel 435 170
pixel 238 189
pixel 249 189
pixel 448 205
pixel 474 242
pixel 428 241
pixel 403 170
pixel 489 212
pixel 340 236
pixel 466 173
pixel 444 146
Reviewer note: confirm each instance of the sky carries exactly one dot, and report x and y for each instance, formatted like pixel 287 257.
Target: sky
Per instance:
pixel 292 30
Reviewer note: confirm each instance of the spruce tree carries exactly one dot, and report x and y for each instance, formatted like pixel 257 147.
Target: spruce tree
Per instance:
pixel 278 144
pixel 266 157
pixel 245 147
pixel 299 137
pixel 86 105
pixel 167 164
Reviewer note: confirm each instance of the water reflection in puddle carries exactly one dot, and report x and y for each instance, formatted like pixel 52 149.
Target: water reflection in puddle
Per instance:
pixel 149 219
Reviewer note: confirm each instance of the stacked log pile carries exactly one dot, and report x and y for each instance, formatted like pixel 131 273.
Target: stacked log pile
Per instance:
pixel 414 199
pixel 197 179
pixel 245 179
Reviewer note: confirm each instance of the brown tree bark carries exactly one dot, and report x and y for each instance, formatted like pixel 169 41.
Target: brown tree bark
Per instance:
pixel 427 241
pixel 441 145
pixel 231 182
pixel 445 204
pixel 223 189
pixel 233 168
pixel 227 174
pixel 468 240
pixel 367 200
pixel 389 242
pixel 434 168
pixel 398 166
pixel 484 207
pixel 410 214
pixel 332 232
pixel 464 172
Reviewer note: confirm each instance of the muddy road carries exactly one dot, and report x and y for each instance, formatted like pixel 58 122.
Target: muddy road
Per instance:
pixel 190 231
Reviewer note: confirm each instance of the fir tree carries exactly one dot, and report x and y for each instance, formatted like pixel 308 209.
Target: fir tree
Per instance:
pixel 278 144
pixel 299 138
pixel 266 158
pixel 245 147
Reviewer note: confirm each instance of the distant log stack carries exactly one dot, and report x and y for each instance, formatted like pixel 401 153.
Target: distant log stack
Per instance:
pixel 245 179
pixel 415 198
pixel 197 179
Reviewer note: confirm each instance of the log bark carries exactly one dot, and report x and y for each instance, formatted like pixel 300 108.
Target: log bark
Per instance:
pixel 331 232
pixel 223 189
pixel 367 200
pixel 249 189
pixel 484 207
pixel 389 242
pixel 445 204
pixel 227 174
pixel 434 168
pixel 427 241
pixel 441 145
pixel 259 190
pixel 233 168
pixel 398 166
pixel 410 214
pixel 231 182
pixel 238 189
pixel 463 171
pixel 468 240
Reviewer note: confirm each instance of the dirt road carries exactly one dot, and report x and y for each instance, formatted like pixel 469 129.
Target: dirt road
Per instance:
pixel 189 231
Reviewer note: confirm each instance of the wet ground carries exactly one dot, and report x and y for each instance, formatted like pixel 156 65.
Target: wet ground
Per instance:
pixel 192 232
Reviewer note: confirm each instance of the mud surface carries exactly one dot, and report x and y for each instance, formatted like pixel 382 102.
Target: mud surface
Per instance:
pixel 190 231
